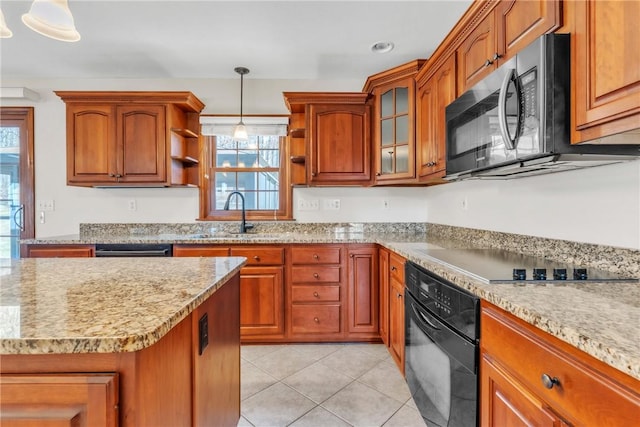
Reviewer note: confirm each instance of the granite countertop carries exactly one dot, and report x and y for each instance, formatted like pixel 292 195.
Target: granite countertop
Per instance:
pixel 600 319
pixel 101 305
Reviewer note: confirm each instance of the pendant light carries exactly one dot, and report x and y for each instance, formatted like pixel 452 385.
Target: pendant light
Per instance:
pixel 5 32
pixel 52 18
pixel 240 131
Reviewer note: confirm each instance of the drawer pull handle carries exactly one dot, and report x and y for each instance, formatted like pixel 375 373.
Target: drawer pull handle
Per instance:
pixel 315 319
pixel 315 294
pixel 549 382
pixel 393 268
pixel 315 256
pixel 316 275
pixel 256 257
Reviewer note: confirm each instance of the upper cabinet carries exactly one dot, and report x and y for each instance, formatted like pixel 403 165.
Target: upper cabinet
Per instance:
pixel 337 136
pixel 132 138
pixel 503 31
pixel 606 71
pixel 393 126
pixel 435 91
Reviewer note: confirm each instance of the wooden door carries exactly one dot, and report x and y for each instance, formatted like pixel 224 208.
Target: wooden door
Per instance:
pixel 383 290
pixel 91 144
pixel 521 22
pixel 476 53
pixel 141 141
pixel 339 140
pixel 396 322
pixel 261 301
pixel 433 97
pixel 606 68
pixel 505 402
pixel 362 306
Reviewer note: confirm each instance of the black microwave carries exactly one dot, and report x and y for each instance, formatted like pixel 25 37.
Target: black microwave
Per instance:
pixel 516 121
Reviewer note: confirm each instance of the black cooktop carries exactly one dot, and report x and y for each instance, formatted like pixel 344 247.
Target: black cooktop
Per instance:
pixel 500 266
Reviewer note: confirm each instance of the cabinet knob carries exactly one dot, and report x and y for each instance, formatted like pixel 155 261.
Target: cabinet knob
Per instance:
pixel 549 382
pixel 315 294
pixel 112 175
pixel 496 56
pixel 315 256
pixel 399 296
pixel 256 257
pixel 316 275
pixel 488 62
pixel 351 256
pixel 393 268
pixel 378 174
pixel 432 164
pixel 313 174
pixel 315 319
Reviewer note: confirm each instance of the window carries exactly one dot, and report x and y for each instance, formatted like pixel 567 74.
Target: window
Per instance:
pixel 255 167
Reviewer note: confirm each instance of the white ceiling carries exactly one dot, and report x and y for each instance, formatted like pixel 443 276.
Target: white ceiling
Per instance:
pixel 208 38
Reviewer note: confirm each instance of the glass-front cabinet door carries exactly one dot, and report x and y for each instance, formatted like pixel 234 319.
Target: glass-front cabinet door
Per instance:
pixel 394 123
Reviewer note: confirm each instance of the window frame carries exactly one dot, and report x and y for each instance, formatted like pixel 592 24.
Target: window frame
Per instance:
pixel 207 187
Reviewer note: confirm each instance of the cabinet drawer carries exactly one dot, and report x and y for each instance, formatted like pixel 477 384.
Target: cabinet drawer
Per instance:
pixel 315 319
pixel 583 394
pixel 260 256
pixel 315 255
pixel 304 293
pixel 199 251
pixel 313 273
pixel 396 267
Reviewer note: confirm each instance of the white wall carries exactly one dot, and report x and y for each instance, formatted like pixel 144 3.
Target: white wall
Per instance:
pixel 599 205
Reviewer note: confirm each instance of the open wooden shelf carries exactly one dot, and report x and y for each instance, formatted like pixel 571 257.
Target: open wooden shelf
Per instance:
pixel 187 133
pixel 186 160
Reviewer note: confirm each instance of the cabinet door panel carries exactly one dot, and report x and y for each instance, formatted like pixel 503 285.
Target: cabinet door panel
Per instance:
pixel 340 143
pixel 607 75
pixel 261 301
pixel 363 296
pixel 142 143
pixel 199 251
pixel 473 53
pixel 315 274
pixel 60 251
pixel 506 403
pixel 319 319
pixel 396 322
pixel 90 143
pixel 383 291
pixel 524 21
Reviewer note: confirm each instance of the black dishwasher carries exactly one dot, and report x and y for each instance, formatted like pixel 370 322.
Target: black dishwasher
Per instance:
pixel 134 250
pixel 441 348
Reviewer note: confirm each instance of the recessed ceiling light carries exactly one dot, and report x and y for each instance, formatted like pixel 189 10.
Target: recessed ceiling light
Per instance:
pixel 382 47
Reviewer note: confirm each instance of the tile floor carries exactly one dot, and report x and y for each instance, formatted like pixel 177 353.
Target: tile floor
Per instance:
pixel 323 385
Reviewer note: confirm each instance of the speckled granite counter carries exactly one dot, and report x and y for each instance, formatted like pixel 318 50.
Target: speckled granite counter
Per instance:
pixel 101 305
pixel 599 319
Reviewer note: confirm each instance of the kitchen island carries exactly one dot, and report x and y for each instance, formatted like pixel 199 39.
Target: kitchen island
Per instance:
pixel 120 341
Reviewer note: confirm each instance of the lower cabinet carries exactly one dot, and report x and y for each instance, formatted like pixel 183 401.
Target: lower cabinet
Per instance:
pixel 383 295
pixel 362 311
pixel 262 310
pixel 59 400
pixel 539 380
pixel 396 309
pixel 58 251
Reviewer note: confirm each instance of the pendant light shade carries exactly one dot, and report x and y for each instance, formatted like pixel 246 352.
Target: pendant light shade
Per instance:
pixel 5 32
pixel 240 131
pixel 52 18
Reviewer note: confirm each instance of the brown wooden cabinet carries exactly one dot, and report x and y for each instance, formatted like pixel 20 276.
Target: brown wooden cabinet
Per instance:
pixel 82 400
pixel 504 30
pixel 396 309
pixel 337 136
pixel 435 92
pixel 606 69
pixel 393 126
pixel 58 251
pixel 383 295
pixel 539 380
pixel 316 292
pixel 362 311
pixel 132 138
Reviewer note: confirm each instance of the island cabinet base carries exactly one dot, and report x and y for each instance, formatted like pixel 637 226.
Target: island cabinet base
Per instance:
pixel 166 384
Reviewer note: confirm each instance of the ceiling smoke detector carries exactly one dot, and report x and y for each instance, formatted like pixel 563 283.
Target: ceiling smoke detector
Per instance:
pixel 382 47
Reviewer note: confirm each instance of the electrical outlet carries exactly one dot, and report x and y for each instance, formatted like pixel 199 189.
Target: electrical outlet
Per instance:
pixel 465 204
pixel 386 204
pixel 133 205
pixel 308 205
pixel 332 204
pixel 203 333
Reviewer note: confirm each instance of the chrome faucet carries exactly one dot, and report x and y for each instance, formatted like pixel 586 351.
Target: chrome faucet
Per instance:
pixel 243 225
